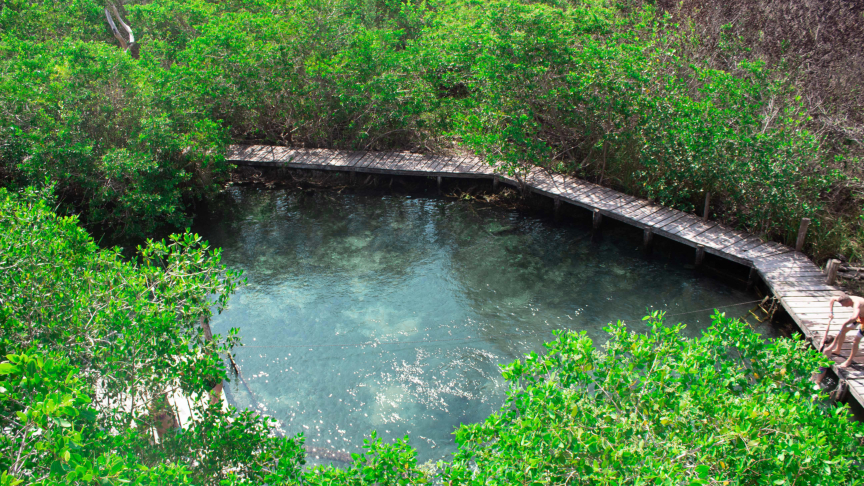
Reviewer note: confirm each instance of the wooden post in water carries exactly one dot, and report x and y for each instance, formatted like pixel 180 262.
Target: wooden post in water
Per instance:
pixel 557 207
pixel 707 206
pixel 598 219
pixel 832 267
pixel 439 184
pixel 494 183
pixel 802 232
pixel 751 279
pixel 648 238
pixel 700 255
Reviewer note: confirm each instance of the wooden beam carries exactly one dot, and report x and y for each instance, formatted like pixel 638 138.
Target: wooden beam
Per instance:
pixel 802 233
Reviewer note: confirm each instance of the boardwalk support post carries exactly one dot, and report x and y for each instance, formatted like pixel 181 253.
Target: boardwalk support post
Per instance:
pixel 598 219
pixel 832 267
pixel 707 205
pixel 557 207
pixel 751 279
pixel 648 238
pixel 700 255
pixel 839 393
pixel 495 183
pixel 802 232
pixel 439 184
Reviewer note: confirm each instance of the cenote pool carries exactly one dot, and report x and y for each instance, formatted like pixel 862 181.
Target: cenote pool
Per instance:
pixel 392 313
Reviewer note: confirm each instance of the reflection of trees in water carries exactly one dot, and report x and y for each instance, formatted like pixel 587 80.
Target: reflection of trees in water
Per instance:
pixel 519 270
pixel 281 230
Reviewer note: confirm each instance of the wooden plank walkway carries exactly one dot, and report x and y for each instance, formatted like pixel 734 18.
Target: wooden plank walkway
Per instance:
pixel 796 281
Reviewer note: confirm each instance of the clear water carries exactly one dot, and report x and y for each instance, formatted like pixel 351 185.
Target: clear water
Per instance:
pixel 392 313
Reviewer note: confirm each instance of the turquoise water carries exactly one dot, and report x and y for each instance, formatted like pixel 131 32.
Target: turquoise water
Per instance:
pixel 392 313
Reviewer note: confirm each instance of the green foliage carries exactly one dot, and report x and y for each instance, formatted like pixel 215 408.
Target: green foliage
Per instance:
pixel 615 92
pixel 380 464
pixel 658 408
pixel 51 435
pixel 94 343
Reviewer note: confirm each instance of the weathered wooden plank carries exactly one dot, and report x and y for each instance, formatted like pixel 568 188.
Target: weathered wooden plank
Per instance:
pixel 641 213
pixel 397 161
pixel 573 192
pixel 822 294
pixel 722 236
pixel 794 273
pixel 439 162
pixel 378 163
pixel 354 158
pixel 420 163
pixel 592 196
pixel 342 160
pixel 306 157
pixel 661 217
pixel 819 308
pixel 608 195
pixel 434 162
pixel 451 164
pixel 613 203
pixel 444 164
pixel 798 279
pixel 328 157
pixel 291 157
pixel 458 165
pixel 673 225
pixel 740 248
pixel 323 159
pixel 484 168
pixel 607 202
pixel 692 231
pixel 559 184
pixel 631 207
pixel 768 249
pixel 806 305
pixel 468 166
pixel 785 256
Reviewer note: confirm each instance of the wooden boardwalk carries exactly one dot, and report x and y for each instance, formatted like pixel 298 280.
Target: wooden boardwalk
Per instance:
pixel 796 281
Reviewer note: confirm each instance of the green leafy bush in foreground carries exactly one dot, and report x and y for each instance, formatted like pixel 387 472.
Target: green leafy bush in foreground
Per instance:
pixel 659 408
pixel 652 407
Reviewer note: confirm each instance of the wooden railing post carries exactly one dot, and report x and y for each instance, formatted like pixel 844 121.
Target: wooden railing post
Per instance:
pixel 832 267
pixel 707 206
pixel 802 233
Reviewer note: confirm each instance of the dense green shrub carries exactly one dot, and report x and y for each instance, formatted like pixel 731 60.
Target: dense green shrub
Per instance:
pixel 659 408
pixel 626 95
pixel 75 319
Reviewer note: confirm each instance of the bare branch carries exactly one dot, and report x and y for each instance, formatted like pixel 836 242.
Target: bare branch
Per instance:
pixel 115 31
pixel 128 29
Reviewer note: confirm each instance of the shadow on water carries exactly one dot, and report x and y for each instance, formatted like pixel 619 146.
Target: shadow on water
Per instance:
pixel 393 313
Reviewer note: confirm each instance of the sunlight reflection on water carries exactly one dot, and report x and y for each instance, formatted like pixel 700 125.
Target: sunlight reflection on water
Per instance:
pixel 487 285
